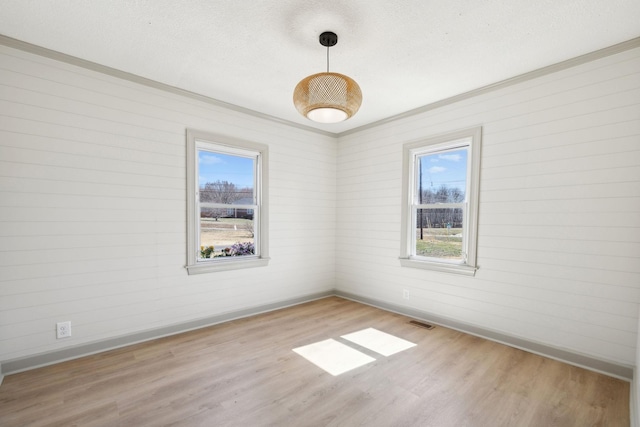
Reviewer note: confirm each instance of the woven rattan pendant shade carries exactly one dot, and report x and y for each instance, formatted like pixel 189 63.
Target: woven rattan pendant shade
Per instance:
pixel 328 91
pixel 327 97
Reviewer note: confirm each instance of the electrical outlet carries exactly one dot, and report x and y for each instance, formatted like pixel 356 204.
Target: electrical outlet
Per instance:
pixel 405 293
pixel 63 329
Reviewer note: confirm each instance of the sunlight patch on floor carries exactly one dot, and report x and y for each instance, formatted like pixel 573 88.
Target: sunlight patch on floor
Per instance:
pixel 334 357
pixel 337 358
pixel 378 341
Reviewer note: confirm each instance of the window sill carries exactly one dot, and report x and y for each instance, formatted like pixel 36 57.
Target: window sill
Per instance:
pixel 225 265
pixel 463 269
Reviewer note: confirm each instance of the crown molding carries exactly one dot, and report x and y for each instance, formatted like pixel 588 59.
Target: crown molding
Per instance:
pixel 113 72
pixel 72 60
pixel 554 68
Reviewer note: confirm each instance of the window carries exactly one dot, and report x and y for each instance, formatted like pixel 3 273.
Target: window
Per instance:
pixel 226 203
pixel 440 202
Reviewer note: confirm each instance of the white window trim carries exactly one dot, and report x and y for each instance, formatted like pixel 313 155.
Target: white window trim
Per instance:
pixel 407 259
pixel 193 215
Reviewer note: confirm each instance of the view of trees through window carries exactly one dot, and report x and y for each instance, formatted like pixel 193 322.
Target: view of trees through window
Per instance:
pixel 227 203
pixel 441 203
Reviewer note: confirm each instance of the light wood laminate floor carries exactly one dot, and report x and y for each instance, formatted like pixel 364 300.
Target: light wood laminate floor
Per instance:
pixel 244 373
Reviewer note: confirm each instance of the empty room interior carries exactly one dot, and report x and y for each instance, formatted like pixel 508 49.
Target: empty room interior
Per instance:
pixel 319 213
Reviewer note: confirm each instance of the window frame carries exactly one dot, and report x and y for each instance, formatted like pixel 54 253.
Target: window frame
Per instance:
pixel 432 145
pixel 200 139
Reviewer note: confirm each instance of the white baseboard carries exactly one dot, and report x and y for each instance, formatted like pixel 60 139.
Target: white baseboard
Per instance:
pixel 609 368
pixel 31 362
pixel 624 372
pixel 634 404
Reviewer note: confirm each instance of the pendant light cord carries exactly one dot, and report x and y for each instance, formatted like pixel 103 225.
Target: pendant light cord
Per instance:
pixel 327 59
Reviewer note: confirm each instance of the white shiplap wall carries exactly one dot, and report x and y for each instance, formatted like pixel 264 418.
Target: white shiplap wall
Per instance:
pixel 559 224
pixel 92 208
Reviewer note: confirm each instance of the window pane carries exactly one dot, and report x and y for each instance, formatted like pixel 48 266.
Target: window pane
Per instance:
pixel 229 180
pixel 228 236
pixel 442 177
pixel 224 178
pixel 439 233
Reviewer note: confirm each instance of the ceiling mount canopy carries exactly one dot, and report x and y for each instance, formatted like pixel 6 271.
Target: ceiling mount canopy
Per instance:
pixel 327 97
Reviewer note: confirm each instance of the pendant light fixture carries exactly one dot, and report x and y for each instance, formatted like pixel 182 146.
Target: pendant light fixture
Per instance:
pixel 327 97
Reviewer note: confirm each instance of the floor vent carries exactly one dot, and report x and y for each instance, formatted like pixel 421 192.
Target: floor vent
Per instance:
pixel 421 324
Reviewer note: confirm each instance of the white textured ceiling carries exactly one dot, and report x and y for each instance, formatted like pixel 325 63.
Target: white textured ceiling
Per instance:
pixel 403 54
